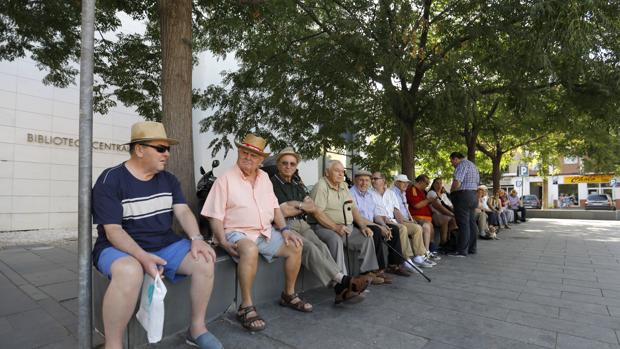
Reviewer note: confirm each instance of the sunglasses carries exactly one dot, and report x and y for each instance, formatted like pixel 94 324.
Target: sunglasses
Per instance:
pixel 160 148
pixel 286 163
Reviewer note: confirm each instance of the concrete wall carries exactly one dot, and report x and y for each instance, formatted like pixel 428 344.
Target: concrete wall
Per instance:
pixel 38 150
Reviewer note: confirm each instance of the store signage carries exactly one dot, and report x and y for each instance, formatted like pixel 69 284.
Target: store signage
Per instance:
pixel 74 142
pixel 588 179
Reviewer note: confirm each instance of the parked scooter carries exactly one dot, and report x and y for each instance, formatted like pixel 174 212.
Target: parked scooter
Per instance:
pixel 202 191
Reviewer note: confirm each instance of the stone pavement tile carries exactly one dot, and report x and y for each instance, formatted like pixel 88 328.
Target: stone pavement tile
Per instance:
pixel 71 305
pixel 41 278
pixel 59 256
pixel 27 262
pixel 614 311
pixel 436 344
pixel 606 321
pixel 58 312
pixel 563 326
pixel 591 299
pixel 582 290
pixel 66 343
pixel 61 291
pixel 33 329
pixel 11 275
pixel 563 303
pixel 14 300
pixel 483 325
pixel 611 293
pixel 534 308
pixel 33 292
pixel 606 284
pixel 566 341
pixel 548 292
pixel 5 326
pixel 461 336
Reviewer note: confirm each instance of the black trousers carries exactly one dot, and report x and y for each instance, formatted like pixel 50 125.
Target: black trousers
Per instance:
pixel 393 258
pixel 522 210
pixel 465 203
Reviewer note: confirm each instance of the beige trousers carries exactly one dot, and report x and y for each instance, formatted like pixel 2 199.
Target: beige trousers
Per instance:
pixel 416 241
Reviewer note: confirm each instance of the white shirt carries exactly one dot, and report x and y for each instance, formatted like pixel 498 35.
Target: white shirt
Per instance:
pixel 388 202
pixel 444 197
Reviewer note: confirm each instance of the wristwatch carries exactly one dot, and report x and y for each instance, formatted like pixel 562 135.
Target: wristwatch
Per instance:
pixel 197 237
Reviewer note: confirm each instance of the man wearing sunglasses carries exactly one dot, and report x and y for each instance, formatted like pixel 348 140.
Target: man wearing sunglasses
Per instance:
pixel 133 205
pixel 296 205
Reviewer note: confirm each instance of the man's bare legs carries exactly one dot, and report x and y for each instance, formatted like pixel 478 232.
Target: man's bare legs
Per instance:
pixel 202 273
pixel 120 299
pixel 292 254
pixel 248 262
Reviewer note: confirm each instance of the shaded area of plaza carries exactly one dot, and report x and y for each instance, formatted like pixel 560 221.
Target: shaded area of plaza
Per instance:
pixel 546 284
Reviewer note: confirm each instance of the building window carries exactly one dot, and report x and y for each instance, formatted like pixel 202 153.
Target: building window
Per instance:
pixel 571 160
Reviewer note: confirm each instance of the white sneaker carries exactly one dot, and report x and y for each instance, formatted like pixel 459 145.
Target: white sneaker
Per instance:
pixel 433 256
pixel 422 262
pixel 408 266
pixel 429 261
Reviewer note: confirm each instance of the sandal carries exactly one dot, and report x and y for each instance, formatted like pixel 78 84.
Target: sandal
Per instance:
pixel 301 305
pixel 352 294
pixel 386 279
pixel 248 322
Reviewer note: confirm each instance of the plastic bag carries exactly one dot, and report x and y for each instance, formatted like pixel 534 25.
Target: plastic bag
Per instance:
pixel 151 312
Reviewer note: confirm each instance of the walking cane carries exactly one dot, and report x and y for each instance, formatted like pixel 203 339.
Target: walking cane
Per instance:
pixel 346 236
pixel 406 260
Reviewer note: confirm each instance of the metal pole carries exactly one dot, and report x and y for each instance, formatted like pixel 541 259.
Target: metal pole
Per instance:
pixel 85 339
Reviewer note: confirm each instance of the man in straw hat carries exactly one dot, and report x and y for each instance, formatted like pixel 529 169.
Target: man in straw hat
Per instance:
pixel 241 208
pixel 133 205
pixel 296 205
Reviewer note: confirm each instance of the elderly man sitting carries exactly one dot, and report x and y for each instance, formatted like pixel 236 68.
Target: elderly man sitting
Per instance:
pixel 387 204
pixel 402 216
pixel 331 195
pixel 241 208
pixel 368 205
pixel 296 205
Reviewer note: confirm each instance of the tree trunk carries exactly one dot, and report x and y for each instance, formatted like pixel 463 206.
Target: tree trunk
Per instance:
pixel 407 151
pixel 497 174
pixel 471 140
pixel 176 88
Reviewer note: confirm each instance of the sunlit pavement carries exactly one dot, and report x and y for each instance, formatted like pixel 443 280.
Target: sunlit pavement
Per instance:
pixel 547 283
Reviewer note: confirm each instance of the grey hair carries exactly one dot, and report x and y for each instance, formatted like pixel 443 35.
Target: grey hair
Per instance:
pixel 331 164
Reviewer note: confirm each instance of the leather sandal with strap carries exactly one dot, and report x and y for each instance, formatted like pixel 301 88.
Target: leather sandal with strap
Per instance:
pixel 248 322
pixel 287 301
pixel 352 294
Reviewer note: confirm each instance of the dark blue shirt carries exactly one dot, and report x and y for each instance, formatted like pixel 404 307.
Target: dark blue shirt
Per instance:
pixel 142 208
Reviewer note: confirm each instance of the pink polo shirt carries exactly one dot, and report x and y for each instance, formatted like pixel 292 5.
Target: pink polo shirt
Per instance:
pixel 241 206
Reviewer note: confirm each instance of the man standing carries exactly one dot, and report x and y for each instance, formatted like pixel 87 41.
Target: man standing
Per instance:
pixel 241 208
pixel 331 196
pixel 463 195
pixel 367 203
pixel 133 205
pixel 295 205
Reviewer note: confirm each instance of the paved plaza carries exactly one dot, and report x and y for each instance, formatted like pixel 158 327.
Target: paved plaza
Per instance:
pixel 547 283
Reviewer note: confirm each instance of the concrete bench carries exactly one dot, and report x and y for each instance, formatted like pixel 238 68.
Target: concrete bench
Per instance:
pixel 225 296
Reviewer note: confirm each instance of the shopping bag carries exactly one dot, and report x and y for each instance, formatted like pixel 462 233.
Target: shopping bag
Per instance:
pixel 151 312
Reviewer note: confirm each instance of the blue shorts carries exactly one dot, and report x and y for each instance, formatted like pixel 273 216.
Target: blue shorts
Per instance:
pixel 267 248
pixel 173 254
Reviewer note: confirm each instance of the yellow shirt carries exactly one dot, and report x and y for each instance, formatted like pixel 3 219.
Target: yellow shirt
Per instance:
pixel 331 199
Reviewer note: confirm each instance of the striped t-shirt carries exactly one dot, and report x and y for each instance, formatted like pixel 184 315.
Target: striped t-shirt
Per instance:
pixel 142 208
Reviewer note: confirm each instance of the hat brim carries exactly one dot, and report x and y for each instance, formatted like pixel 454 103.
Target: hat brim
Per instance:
pixel 251 150
pixel 297 156
pixel 170 141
